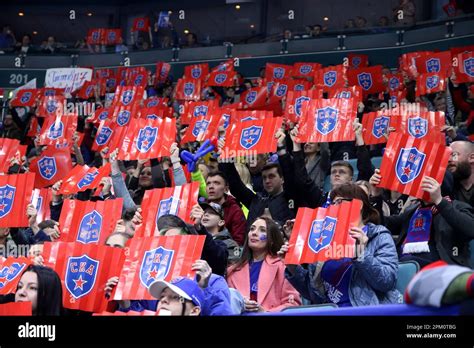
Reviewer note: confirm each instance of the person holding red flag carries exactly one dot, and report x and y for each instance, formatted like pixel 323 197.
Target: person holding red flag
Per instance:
pixel 430 230
pixel 368 279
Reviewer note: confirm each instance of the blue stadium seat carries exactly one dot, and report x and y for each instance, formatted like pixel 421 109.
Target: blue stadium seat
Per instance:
pixel 471 249
pixel 310 308
pixel 406 271
pixel 353 163
pixel 377 162
pixel 327 184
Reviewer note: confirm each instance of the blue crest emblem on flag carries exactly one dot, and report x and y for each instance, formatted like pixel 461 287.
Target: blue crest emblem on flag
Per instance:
pixel 51 106
pixel 299 103
pixel 200 110
pixel 9 273
pixel 90 228
pixel 299 87
pixel 103 136
pixel 39 203
pixel 322 233
pixel 103 115
pixel 156 265
pixel 188 88
pixel 200 127
pixel 111 36
pixel 220 78
pixel 50 93
pixel 55 131
pixel 278 73
pixel 344 95
pixel 47 167
pixel 140 24
pixel 111 82
pixel 433 65
pixel 123 117
pixel 152 117
pixel 355 62
pixel 394 83
pixel 305 69
pixel 81 274
pixel 380 126
pixel 365 80
pixel 250 136
pixel 222 67
pixel 89 91
pixel 468 67
pixel 127 97
pixel 281 90
pixel 168 206
pixel 152 103
pixel 196 72
pixel 138 80
pixel 326 119
pixel 25 98
pixel 330 78
pixel 432 82
pixel 87 179
pixel 226 120
pixel 95 35
pixel 7 196
pixel 146 138
pixel 409 164
pixel 251 97
pixel 417 127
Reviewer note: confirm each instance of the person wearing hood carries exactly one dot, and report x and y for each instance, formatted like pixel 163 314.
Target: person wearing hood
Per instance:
pixel 368 279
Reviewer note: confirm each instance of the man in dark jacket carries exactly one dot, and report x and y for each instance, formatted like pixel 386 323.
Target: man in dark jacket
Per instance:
pixel 216 186
pixel 461 165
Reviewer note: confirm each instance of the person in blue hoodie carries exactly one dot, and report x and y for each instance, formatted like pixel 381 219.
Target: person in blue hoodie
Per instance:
pixel 368 279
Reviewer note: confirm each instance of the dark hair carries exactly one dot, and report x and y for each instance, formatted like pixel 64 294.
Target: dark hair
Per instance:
pixel 274 243
pixel 46 224
pixel 343 164
pixel 353 191
pixel 270 166
pixel 128 214
pixel 50 291
pixel 221 174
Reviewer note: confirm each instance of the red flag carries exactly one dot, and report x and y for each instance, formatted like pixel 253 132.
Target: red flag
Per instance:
pixel 305 69
pixel 57 130
pixel 280 90
pixel 141 24
pixel 51 106
pixel 177 200
pixel 354 92
pixel 155 112
pixel 407 62
pixel 227 65
pixel 87 90
pixel 83 178
pixel 323 234
pixel 296 99
pixel 146 312
pixel 463 66
pixel 11 270
pixel 161 72
pixel 101 114
pixel 123 114
pixel 89 222
pixel 357 60
pixel 221 78
pixel 112 37
pixel 10 149
pixel 376 124
pixel 104 72
pixel 25 97
pixel 23 309
pixel 330 78
pixel 430 83
pixel 51 166
pixel 95 36
pixel 189 110
pixel 250 115
pixel 157 258
pixel 462 49
pixel 224 114
pixel 439 62
pixel 128 95
pixel 84 270
pixel 146 139
pixel 156 101
pixel 277 72
pixel 394 82
pixel 450 8
pixel 188 89
pixel 15 195
pixel 104 134
pixel 251 137
pixel 196 71
pixel 41 198
pixel 34 128
pixel 398 96
pixel 52 92
pixel 407 160
pixel 369 78
pixel 327 120
pixel 254 98
pixel 425 124
pixel 139 80
pixel 201 128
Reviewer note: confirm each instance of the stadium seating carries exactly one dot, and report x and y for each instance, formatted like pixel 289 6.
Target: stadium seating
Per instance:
pixel 406 271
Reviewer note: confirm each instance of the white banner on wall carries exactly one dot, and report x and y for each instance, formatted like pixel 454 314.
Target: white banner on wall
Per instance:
pixel 70 79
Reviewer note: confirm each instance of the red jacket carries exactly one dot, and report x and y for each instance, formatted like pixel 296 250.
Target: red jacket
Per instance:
pixel 234 219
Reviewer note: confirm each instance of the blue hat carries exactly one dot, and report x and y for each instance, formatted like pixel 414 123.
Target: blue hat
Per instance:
pixel 184 287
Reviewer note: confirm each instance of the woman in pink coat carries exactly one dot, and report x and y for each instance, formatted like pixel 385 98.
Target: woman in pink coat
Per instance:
pixel 259 275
